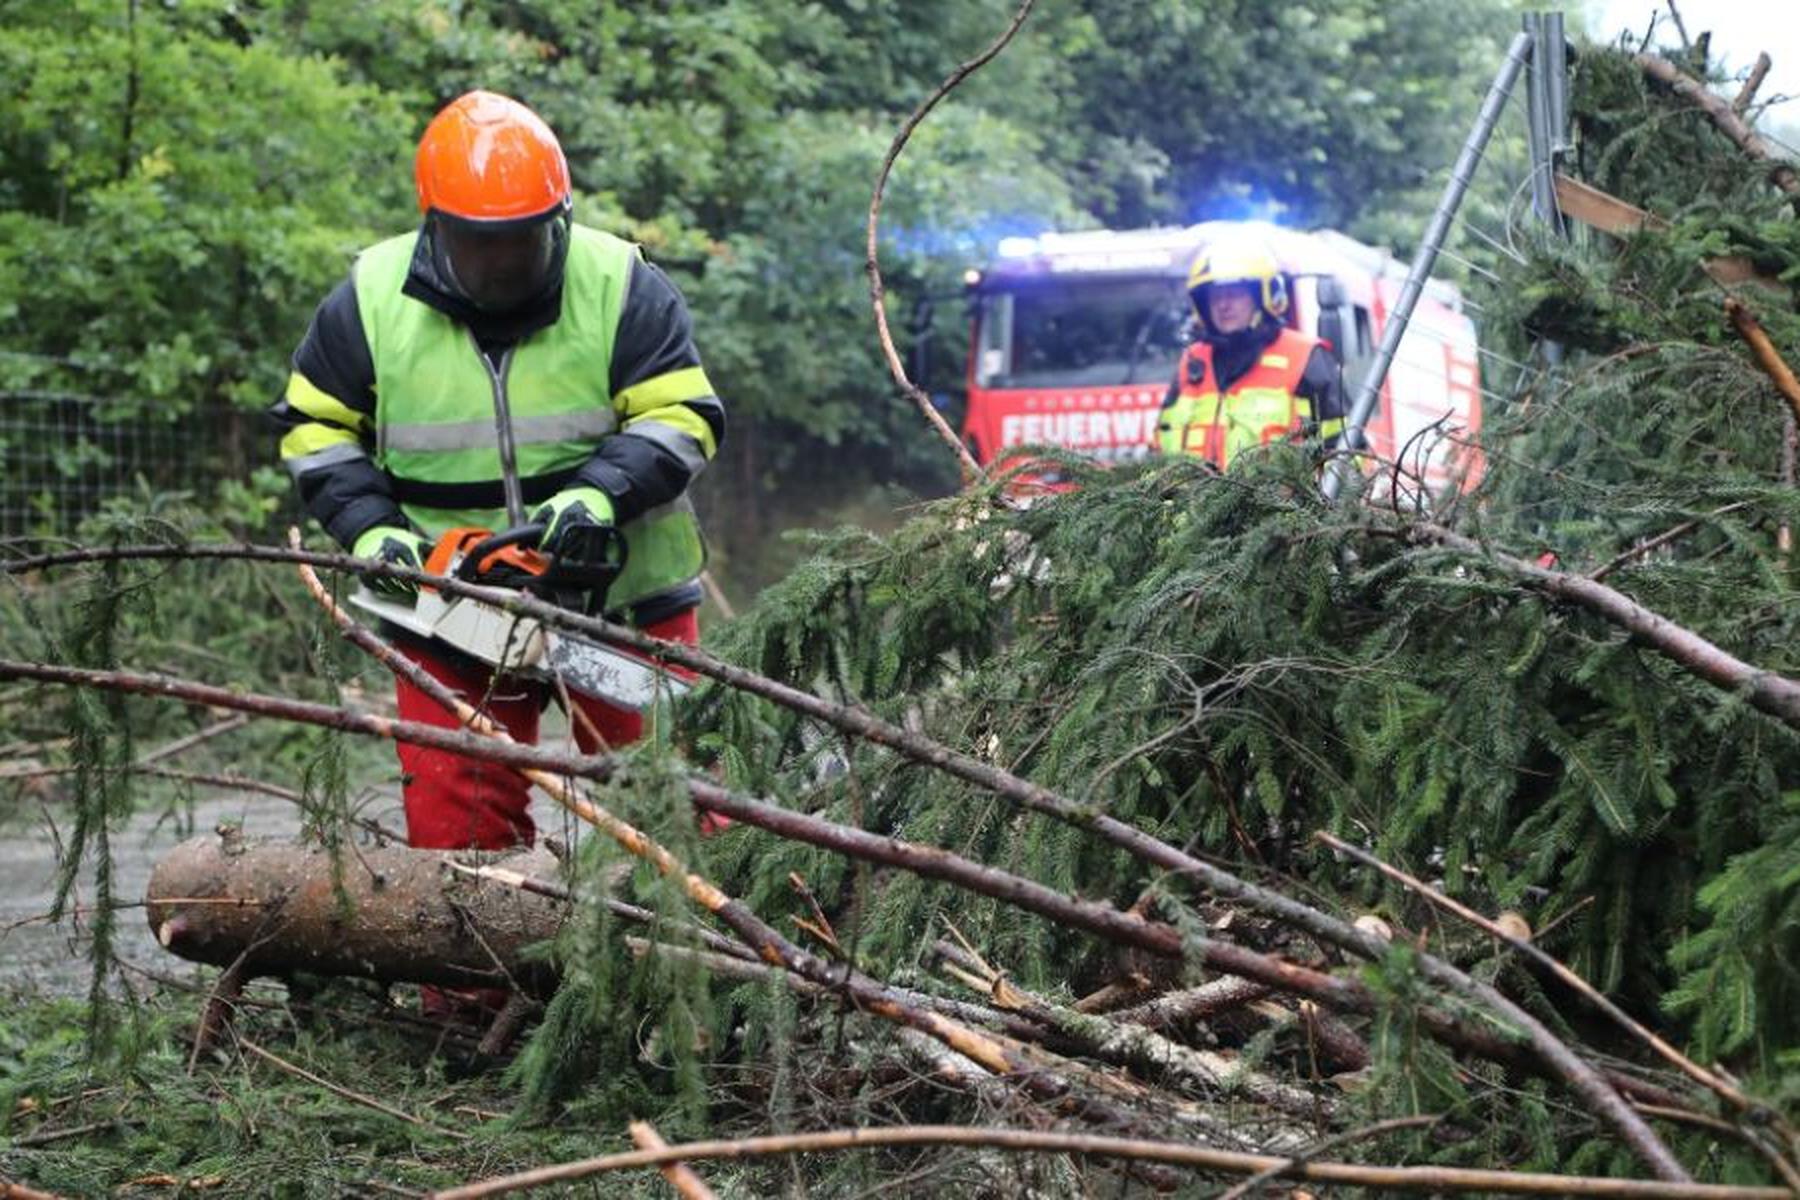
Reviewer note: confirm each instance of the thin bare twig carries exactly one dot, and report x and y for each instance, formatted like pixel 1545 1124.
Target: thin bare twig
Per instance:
pixel 717 595
pixel 1681 1062
pixel 1411 1179
pixel 820 925
pixel 1680 27
pixel 877 290
pixel 45 1137
pixel 277 1061
pixel 180 745
pixel 1660 540
pixel 241 783
pixel 1249 1185
pixel 217 1009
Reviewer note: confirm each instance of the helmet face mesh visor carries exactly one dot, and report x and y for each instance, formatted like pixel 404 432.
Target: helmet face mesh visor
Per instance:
pixel 498 267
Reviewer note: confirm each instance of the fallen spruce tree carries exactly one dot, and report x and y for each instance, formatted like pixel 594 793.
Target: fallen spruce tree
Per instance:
pixel 1076 812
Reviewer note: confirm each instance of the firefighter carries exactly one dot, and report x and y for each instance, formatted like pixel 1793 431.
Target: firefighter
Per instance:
pixel 1247 379
pixel 499 311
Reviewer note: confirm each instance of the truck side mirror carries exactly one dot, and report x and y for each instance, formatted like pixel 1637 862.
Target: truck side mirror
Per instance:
pixel 1331 316
pixel 1331 332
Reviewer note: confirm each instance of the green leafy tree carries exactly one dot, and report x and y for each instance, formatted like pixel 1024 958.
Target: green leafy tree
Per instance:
pixel 172 202
pixel 1319 114
pixel 181 183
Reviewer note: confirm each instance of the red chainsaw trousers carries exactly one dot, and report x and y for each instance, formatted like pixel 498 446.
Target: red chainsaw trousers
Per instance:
pixel 458 803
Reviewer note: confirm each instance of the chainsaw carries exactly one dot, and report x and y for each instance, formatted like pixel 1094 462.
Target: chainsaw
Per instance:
pixel 589 560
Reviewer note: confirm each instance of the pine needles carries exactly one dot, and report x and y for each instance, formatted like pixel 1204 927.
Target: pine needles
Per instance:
pixel 1229 664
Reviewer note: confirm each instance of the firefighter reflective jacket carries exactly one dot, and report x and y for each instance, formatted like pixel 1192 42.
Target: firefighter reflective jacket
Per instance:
pixel 1292 388
pixel 393 406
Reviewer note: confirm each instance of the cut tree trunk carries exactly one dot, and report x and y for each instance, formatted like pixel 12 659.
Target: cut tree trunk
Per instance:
pixel 392 914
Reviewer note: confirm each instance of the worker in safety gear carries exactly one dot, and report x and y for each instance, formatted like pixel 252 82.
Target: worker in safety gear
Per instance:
pixel 1248 378
pixel 502 346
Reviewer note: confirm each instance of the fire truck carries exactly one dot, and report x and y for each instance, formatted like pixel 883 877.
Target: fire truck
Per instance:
pixel 1077 337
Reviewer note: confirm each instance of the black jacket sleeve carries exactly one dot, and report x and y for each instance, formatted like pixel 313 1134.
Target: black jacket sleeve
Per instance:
pixel 326 416
pixel 671 421
pixel 1323 384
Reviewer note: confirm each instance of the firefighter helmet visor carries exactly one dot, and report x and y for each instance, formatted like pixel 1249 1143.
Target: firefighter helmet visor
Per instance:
pixel 1239 261
pixel 500 266
pixel 1232 306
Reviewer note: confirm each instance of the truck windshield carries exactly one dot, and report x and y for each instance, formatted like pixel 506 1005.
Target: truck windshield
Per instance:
pixel 1081 332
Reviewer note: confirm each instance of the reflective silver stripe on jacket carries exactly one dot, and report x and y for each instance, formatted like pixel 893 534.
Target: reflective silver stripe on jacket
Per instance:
pixel 678 442
pixel 467 435
pixel 329 456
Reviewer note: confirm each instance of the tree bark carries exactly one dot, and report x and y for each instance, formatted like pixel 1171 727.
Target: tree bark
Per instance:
pixel 1730 123
pixel 402 915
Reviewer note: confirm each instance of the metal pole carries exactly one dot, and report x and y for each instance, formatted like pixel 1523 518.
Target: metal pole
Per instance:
pixel 1549 108
pixel 1537 119
pixel 1546 134
pixel 1460 175
pixel 1556 75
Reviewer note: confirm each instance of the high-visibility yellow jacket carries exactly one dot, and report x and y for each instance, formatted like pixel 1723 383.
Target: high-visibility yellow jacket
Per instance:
pixel 390 415
pixel 1291 388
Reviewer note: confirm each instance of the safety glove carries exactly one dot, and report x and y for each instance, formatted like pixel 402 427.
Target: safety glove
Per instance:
pixel 397 546
pixel 567 510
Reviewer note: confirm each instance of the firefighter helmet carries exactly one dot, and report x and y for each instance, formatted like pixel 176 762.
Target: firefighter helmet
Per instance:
pixel 1239 260
pixel 494 187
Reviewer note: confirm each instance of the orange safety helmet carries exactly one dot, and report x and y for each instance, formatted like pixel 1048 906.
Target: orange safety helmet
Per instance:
pixel 486 157
pixel 494 187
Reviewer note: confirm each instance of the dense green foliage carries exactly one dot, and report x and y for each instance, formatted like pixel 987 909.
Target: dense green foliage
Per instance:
pixel 1230 664
pixel 262 1132
pixel 1224 661
pixel 180 184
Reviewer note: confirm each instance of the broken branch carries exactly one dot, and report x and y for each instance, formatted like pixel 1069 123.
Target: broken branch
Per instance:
pixel 1720 110
pixel 1752 82
pixel 681 1177
pixel 1767 357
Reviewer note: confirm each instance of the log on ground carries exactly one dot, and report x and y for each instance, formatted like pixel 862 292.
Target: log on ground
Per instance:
pixel 391 914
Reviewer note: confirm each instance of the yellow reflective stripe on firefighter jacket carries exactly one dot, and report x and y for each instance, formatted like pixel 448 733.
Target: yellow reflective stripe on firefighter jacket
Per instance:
pixel 1261 406
pixel 437 400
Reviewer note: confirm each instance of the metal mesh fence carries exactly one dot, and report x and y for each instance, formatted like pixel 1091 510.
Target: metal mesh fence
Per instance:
pixel 64 456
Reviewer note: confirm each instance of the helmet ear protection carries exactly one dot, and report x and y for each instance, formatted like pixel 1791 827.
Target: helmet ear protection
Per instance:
pixel 1239 262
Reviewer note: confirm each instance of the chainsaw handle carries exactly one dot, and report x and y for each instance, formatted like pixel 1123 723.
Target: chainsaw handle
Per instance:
pixel 469 570
pixel 590 559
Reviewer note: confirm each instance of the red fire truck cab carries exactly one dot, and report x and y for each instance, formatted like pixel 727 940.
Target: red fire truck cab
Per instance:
pixel 1077 336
